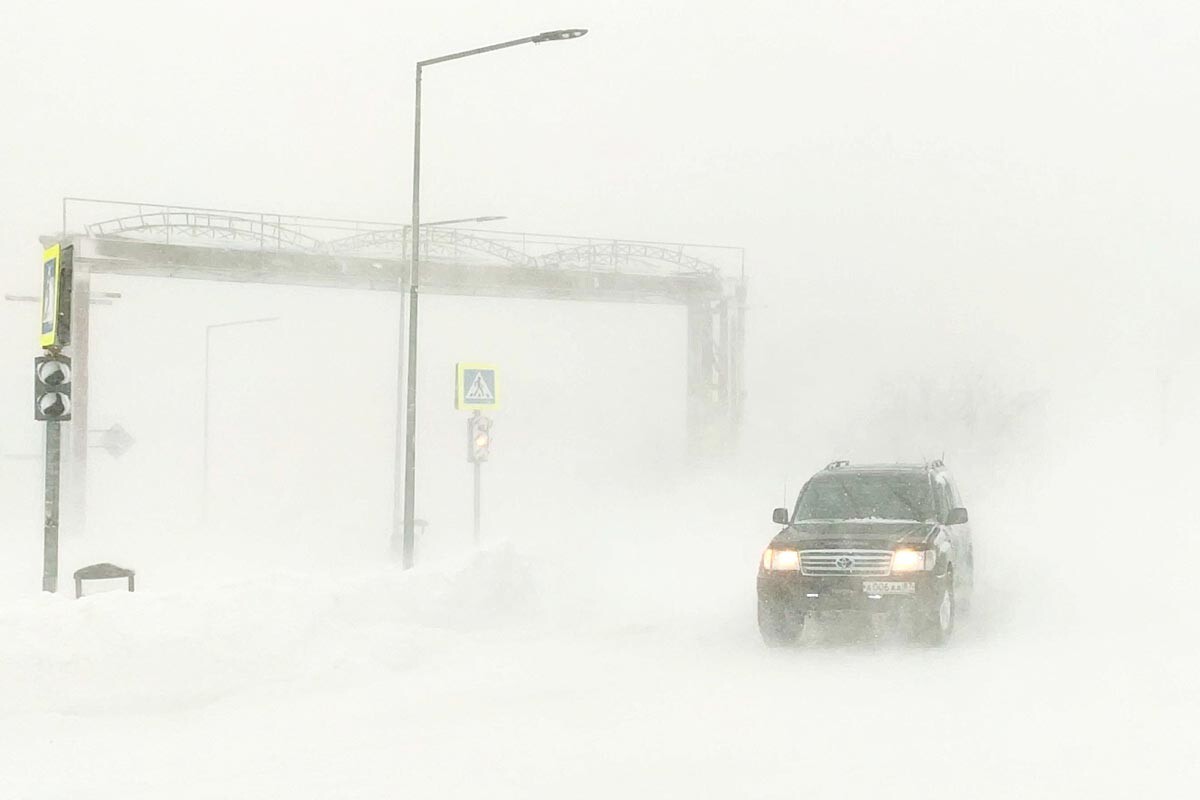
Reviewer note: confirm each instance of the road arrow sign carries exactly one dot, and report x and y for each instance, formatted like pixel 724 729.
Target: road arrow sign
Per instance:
pixel 116 440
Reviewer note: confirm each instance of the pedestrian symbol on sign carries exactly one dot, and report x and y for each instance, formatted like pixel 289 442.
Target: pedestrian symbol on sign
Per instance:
pixel 480 392
pixel 475 387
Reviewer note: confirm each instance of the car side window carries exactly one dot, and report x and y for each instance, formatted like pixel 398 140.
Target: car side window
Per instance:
pixel 952 494
pixel 941 496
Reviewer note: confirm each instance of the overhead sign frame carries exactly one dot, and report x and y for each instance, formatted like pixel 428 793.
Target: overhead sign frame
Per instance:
pixel 476 387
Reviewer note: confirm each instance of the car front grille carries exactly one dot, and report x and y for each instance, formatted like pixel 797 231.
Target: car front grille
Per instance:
pixel 872 563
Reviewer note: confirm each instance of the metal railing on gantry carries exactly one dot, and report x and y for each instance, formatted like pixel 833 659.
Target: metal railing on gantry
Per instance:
pixel 261 231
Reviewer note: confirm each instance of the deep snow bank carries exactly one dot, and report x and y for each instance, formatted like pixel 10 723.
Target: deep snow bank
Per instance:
pixel 154 651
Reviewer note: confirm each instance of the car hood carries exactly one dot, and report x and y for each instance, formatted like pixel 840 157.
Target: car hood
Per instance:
pixel 855 534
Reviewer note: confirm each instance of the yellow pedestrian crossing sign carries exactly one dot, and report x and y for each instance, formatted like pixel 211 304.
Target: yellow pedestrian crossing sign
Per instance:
pixel 55 328
pixel 475 387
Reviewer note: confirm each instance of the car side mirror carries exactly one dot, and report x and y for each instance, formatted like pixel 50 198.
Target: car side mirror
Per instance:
pixel 957 516
pixel 780 516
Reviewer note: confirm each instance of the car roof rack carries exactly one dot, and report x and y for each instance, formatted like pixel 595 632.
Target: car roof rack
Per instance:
pixel 837 464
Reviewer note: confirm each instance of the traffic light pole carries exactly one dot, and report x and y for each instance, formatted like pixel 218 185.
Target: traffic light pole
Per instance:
pixel 50 535
pixel 477 474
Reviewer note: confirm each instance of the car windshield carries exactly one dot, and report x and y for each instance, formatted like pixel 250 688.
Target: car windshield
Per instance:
pixel 866 495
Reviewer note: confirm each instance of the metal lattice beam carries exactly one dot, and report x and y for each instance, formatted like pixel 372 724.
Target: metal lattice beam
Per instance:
pixel 442 241
pixel 296 235
pixel 206 225
pixel 615 254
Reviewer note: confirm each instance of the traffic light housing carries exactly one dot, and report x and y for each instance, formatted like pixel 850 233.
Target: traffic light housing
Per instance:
pixel 479 438
pixel 52 388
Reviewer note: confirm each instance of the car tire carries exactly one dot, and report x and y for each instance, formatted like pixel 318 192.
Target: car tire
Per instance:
pixel 778 626
pixel 936 624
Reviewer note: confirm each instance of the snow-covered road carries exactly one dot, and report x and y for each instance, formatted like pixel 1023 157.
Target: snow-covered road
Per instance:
pixel 481 677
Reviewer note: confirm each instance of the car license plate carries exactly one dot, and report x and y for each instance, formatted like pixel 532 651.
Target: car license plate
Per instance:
pixel 889 587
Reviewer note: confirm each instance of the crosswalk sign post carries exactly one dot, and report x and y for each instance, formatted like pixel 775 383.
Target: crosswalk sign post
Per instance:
pixel 479 443
pixel 475 391
pixel 52 390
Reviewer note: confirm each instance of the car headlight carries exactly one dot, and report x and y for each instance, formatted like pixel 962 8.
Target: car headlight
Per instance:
pixel 913 560
pixel 781 560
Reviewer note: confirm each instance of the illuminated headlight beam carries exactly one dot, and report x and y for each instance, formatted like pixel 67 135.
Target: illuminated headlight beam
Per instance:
pixel 781 560
pixel 913 560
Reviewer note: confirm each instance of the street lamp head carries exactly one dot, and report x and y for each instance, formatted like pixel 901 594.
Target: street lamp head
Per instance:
pixel 558 36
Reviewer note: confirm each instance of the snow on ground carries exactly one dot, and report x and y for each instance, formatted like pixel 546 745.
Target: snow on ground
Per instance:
pixel 520 672
pixel 607 647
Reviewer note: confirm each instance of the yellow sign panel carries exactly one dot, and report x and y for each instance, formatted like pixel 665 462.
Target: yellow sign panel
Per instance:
pixel 475 387
pixel 51 280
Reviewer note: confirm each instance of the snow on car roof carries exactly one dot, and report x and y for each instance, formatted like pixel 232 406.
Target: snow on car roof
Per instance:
pixel 906 467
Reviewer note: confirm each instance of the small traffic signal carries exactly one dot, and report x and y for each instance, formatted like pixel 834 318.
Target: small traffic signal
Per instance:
pixel 52 388
pixel 479 438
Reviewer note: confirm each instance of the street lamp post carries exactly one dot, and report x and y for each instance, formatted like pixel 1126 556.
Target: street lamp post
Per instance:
pixel 207 354
pixel 404 519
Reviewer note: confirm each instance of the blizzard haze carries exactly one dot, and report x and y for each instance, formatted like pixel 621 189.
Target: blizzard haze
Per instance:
pixel 969 233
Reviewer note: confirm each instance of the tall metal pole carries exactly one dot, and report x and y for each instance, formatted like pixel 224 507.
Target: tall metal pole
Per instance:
pixel 50 532
pixel 410 425
pixel 77 431
pixel 395 542
pixel 410 432
pixel 207 392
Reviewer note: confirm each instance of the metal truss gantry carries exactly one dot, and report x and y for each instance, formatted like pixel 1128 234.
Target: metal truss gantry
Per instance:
pixel 144 239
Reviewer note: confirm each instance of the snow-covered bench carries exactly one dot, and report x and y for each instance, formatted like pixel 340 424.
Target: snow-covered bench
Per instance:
pixel 100 572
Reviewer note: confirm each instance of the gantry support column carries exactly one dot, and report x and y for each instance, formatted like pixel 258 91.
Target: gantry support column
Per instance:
pixel 715 387
pixel 75 495
pixel 701 384
pixel 736 351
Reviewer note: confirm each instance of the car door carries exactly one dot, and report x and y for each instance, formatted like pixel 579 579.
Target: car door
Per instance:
pixel 960 534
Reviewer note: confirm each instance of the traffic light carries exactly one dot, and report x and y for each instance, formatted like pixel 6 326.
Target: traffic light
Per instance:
pixel 479 438
pixel 52 388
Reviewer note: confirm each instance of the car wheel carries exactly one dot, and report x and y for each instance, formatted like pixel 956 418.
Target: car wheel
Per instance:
pixel 937 623
pixel 778 626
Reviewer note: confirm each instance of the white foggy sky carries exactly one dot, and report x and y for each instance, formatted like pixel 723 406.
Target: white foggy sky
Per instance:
pixel 685 121
pixel 971 228
pixel 943 186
